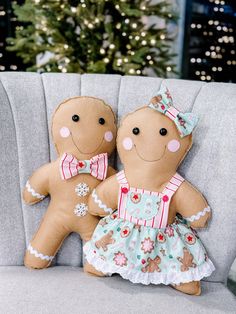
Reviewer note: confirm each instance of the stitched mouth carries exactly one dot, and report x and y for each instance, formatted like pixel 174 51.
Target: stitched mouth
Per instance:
pixel 148 160
pixel 86 153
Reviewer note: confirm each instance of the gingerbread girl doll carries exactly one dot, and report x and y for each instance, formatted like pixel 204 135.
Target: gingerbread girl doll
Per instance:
pixel 147 243
pixel 84 133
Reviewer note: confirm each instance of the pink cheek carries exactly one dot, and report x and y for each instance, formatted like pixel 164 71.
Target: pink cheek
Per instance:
pixel 127 143
pixel 108 136
pixel 173 146
pixel 64 132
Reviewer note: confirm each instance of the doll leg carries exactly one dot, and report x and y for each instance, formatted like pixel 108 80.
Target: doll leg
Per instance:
pixel 45 244
pixel 193 287
pixel 89 269
pixel 85 227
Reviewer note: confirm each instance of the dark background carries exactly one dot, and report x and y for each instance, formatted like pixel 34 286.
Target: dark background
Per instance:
pixel 209 52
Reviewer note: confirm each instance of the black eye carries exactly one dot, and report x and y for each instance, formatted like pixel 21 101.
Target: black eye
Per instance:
pixel 101 121
pixel 75 118
pixel 136 131
pixel 163 131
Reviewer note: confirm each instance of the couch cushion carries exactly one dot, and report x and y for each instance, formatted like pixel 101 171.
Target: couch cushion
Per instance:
pixel 69 290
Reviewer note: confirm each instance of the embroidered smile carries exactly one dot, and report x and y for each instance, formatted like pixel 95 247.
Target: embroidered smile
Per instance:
pixel 86 153
pixel 148 160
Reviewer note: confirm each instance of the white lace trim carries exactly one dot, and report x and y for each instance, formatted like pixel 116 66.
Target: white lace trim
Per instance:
pixel 39 255
pixel 100 204
pixel 198 215
pixel 33 192
pixel 172 277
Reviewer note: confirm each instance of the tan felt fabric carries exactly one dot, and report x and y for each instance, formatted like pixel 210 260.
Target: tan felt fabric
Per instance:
pixel 83 138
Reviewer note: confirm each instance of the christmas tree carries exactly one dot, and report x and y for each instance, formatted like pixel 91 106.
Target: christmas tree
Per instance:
pixel 91 36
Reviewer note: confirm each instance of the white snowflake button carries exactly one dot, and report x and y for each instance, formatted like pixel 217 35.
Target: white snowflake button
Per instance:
pixel 82 189
pixel 81 209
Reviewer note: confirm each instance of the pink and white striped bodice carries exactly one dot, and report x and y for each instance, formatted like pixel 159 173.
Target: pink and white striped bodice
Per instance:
pixel 144 207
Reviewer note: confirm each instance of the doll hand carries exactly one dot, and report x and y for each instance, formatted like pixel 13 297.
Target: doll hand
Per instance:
pixel 99 203
pixel 199 220
pixel 31 196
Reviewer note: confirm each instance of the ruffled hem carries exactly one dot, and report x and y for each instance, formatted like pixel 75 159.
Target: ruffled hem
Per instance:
pixel 172 277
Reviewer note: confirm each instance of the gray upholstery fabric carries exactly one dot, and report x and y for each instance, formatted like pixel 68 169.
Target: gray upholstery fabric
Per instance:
pixel 27 103
pixel 61 290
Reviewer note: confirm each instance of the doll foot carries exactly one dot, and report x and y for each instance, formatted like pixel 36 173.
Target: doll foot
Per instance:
pixel 35 260
pixel 192 288
pixel 89 269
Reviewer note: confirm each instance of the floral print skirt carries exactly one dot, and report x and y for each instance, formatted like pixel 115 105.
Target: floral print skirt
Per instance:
pixel 146 255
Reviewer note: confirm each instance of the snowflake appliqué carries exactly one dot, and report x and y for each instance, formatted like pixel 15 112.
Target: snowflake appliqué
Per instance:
pixel 147 245
pixel 81 209
pixel 82 189
pixel 120 259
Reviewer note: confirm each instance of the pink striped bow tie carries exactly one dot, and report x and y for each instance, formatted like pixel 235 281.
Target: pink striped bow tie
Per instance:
pixel 96 166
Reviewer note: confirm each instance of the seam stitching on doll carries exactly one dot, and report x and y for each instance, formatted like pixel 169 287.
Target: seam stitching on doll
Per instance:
pixel 100 204
pixel 198 215
pixel 39 255
pixel 33 192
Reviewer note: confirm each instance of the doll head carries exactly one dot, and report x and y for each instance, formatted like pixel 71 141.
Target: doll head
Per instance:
pixel 149 138
pixel 84 127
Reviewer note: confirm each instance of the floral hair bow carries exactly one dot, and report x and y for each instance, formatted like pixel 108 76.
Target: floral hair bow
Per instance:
pixel 162 102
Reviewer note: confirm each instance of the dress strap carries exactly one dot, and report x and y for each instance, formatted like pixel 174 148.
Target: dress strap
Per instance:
pixel 121 178
pixel 173 185
pixel 170 189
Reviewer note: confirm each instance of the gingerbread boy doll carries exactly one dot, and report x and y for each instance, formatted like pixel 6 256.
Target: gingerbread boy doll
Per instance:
pixel 84 133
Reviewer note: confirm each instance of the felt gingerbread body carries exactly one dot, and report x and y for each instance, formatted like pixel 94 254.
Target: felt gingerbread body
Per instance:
pixel 84 132
pixel 152 243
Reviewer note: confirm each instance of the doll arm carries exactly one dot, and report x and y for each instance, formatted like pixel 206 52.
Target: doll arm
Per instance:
pixel 191 204
pixel 36 188
pixel 103 199
pixel 110 172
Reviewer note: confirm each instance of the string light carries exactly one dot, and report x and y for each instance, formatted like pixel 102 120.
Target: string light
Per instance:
pixel 118 26
pixel 168 69
pixel 131 71
pixel 102 51
pixel 90 25
pixel 106 60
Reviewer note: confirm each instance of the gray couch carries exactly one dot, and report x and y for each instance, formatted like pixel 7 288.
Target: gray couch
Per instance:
pixel 27 101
